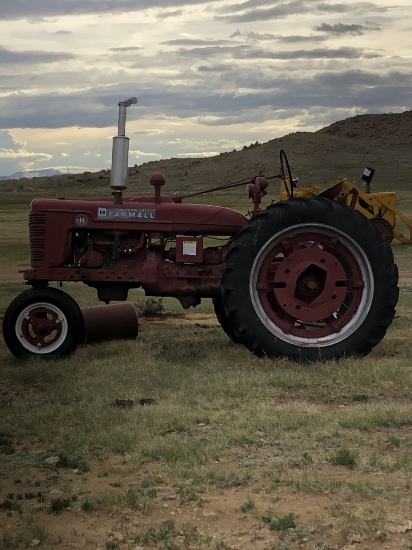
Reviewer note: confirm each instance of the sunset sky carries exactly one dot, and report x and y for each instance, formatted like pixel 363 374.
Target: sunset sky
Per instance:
pixel 210 76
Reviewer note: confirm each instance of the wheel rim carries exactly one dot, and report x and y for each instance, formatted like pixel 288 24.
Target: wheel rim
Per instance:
pixel 311 285
pixel 41 328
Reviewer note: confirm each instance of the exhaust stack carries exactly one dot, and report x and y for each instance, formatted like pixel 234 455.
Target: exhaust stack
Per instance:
pixel 120 153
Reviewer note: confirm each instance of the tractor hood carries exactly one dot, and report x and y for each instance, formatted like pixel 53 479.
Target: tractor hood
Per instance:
pixel 165 216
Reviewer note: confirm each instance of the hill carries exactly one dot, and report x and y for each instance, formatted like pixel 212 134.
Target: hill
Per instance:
pixel 378 130
pixel 342 149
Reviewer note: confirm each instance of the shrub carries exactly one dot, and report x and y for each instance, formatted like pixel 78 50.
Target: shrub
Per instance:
pixel 344 457
pixel 150 307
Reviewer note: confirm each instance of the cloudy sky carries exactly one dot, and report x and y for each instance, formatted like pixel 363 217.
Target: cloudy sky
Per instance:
pixel 210 76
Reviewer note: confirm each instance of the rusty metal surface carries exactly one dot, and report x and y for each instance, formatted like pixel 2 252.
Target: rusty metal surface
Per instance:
pixel 110 322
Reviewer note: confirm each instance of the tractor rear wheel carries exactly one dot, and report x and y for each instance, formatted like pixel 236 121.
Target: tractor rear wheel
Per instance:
pixel 222 319
pixel 309 279
pixel 46 323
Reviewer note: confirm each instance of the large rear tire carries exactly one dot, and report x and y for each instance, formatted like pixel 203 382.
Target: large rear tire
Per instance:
pixel 309 279
pixel 222 319
pixel 46 323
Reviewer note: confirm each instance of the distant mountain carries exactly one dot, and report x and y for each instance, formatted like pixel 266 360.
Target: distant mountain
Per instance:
pixel 47 172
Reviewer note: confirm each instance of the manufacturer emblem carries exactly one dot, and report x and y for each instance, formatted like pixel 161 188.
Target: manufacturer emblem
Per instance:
pixel 82 219
pixel 126 214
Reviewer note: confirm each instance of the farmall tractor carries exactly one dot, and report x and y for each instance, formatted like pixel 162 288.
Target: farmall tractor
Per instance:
pixel 306 278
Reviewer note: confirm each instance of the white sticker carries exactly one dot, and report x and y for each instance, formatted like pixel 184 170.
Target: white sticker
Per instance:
pixel 189 248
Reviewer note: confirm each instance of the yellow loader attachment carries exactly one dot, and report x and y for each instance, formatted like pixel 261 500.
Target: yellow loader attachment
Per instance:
pixel 379 208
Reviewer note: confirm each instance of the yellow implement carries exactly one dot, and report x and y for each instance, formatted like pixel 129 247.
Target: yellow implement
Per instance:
pixel 379 208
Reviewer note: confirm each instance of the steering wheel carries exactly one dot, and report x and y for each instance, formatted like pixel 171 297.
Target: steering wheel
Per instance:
pixel 284 162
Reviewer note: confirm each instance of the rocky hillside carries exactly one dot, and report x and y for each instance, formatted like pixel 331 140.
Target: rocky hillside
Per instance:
pixel 377 130
pixel 342 149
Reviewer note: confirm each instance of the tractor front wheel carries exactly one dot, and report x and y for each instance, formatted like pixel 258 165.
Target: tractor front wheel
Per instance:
pixel 309 279
pixel 43 322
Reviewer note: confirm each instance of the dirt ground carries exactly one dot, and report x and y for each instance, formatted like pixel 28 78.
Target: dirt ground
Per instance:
pixel 219 519
pixel 167 517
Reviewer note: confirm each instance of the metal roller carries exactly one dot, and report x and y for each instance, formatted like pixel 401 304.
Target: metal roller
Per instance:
pixel 110 322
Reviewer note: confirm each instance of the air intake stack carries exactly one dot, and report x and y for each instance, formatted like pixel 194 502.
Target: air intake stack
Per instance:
pixel 120 153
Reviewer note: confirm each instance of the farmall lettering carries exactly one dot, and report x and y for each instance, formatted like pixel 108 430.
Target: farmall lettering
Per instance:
pixel 104 213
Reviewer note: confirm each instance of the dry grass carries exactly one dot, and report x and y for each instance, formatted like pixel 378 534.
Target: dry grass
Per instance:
pixel 327 445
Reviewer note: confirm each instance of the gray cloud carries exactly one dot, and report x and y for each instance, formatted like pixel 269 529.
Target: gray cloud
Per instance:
pixel 242 51
pixel 196 42
pixel 217 68
pixel 340 28
pixel 96 108
pixel 128 49
pixel 169 14
pixel 254 36
pixel 252 10
pixel 38 9
pixel 9 57
pixel 318 53
pixel 301 39
pixel 57 110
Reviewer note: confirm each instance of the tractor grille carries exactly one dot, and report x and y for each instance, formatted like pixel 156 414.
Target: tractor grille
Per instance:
pixel 37 228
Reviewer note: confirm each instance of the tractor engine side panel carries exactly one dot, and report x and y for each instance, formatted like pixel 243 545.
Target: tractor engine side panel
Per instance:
pixel 160 247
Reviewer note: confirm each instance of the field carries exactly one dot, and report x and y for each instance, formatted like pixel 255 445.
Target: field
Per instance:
pixel 180 439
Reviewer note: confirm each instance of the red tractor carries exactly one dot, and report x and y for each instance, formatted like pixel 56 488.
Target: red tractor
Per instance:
pixel 304 278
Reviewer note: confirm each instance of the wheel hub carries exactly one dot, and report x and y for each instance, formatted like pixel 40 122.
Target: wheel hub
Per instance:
pixel 41 327
pixel 310 284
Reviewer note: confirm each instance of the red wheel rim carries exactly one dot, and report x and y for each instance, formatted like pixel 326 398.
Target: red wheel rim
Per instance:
pixel 310 285
pixel 41 328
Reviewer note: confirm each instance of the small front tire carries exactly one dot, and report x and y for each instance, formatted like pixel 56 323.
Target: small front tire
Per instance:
pixel 46 323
